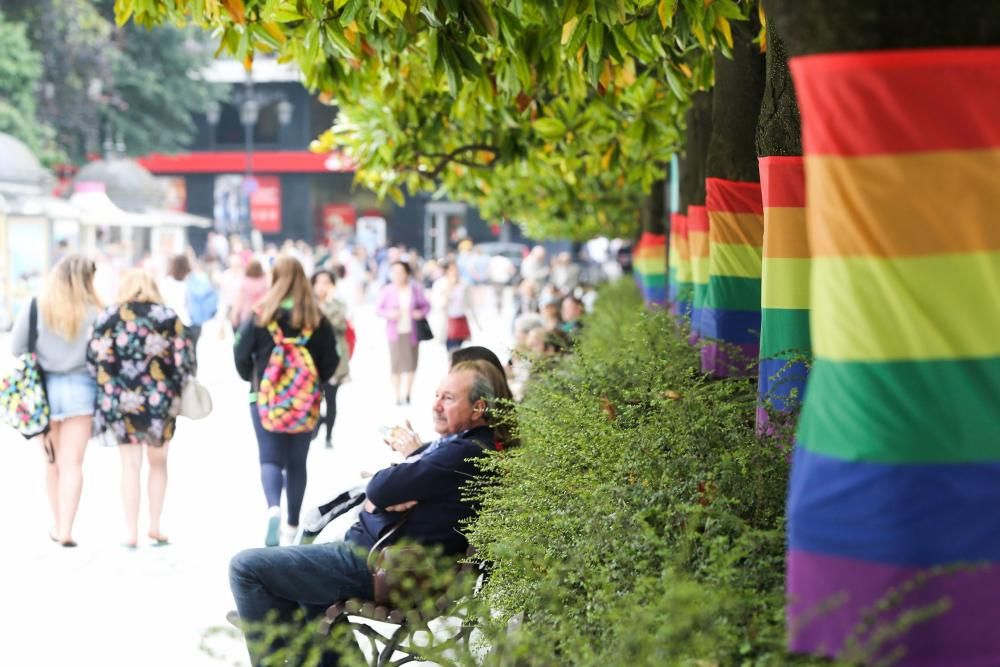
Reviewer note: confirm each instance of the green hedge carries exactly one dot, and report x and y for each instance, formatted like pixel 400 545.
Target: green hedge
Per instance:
pixel 641 522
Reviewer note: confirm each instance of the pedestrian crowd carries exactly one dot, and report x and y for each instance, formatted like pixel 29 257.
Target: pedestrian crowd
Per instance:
pixel 117 357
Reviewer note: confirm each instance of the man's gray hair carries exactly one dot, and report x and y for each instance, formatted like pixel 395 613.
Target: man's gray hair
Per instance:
pixel 482 389
pixel 528 321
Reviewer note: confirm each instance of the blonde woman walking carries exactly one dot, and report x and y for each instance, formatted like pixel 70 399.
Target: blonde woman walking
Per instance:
pixel 68 306
pixel 140 354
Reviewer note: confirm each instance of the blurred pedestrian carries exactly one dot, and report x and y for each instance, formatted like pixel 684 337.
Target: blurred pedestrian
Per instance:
pixel 287 316
pixel 252 289
pixel 324 287
pixel 565 273
pixel 571 312
pixel 453 296
pixel 550 312
pixel 202 301
pixel 67 308
pixel 402 303
pixel 140 354
pixel 535 266
pixel 174 291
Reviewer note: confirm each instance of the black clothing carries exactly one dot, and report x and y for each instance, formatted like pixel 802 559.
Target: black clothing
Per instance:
pixel 254 344
pixel 433 476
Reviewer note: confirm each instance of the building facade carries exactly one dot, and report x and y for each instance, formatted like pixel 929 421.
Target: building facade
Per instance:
pixel 270 182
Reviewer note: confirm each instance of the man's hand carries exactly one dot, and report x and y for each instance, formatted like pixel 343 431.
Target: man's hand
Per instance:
pixel 401 507
pixel 404 440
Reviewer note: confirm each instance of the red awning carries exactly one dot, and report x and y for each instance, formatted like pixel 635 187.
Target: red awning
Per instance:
pixel 226 162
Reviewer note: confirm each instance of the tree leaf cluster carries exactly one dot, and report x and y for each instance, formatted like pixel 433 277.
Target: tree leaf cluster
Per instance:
pixel 557 115
pixel 101 84
pixel 20 79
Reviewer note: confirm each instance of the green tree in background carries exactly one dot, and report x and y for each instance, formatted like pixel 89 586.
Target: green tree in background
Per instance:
pixel 155 101
pixel 101 83
pixel 20 74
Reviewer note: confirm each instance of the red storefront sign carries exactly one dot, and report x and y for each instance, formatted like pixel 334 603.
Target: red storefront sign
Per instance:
pixel 338 217
pixel 265 204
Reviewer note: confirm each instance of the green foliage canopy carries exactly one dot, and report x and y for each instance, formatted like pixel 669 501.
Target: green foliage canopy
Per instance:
pixel 99 82
pixel 559 115
pixel 20 77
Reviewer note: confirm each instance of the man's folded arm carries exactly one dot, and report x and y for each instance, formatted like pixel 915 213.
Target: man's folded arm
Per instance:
pixel 433 474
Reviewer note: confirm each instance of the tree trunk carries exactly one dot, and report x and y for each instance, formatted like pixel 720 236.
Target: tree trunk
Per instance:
pixel 779 128
pixel 785 344
pixel 739 88
pixel 653 216
pixel 730 314
pixel 901 124
pixel 650 254
pixel 826 26
pixel 699 134
pixel 692 161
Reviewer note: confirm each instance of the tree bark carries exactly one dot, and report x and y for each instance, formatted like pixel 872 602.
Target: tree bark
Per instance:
pixel 779 128
pixel 826 26
pixel 739 89
pixel 653 217
pixel 692 161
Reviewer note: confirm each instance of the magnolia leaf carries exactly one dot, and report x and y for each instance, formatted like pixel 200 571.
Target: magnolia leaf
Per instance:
pixel 722 25
pixel 665 11
pixel 595 42
pixel 676 85
pixel 550 128
pixel 287 14
pixel 568 28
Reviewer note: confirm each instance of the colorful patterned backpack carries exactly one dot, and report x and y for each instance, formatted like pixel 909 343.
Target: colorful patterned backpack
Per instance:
pixel 289 395
pixel 23 403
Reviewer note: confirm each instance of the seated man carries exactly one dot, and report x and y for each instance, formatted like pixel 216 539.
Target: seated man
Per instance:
pixel 284 580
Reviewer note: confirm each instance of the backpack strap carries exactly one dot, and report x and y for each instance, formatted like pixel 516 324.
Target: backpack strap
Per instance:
pixel 32 325
pixel 276 333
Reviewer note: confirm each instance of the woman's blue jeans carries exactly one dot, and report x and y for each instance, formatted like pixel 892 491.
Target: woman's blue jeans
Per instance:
pixel 294 585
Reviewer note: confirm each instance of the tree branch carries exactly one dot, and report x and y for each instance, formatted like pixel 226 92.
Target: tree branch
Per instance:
pixel 444 159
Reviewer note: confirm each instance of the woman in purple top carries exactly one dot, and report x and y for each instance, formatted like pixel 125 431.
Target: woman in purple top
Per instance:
pixel 402 303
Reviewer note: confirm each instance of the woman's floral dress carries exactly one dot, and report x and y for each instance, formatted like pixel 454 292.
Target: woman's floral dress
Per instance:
pixel 140 355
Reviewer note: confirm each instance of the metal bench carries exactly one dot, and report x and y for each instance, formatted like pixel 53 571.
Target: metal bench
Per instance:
pixel 392 568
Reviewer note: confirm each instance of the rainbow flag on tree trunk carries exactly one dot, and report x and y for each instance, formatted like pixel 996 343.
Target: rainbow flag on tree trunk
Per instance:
pixel 784 314
pixel 895 484
pixel 650 266
pixel 731 314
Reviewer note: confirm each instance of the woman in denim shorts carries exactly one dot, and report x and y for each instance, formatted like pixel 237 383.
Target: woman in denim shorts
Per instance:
pixel 67 307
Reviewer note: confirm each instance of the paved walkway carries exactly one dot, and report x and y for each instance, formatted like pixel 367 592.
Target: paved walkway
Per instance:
pixel 100 604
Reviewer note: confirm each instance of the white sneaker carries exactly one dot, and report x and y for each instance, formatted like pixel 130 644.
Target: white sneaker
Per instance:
pixel 273 525
pixel 289 534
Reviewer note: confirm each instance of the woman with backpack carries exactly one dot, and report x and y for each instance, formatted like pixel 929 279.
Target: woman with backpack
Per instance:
pixel 324 286
pixel 286 350
pixel 140 354
pixel 66 310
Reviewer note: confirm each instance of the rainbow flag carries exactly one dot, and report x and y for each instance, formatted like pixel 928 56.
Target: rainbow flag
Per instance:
pixel 673 259
pixel 697 228
pixel 731 314
pixel 895 484
pixel 650 265
pixel 784 314
pixel 681 304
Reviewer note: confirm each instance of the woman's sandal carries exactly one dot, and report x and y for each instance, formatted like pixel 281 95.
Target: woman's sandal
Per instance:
pixel 67 544
pixel 159 540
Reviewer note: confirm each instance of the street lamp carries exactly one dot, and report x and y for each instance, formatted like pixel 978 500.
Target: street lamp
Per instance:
pixel 250 103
